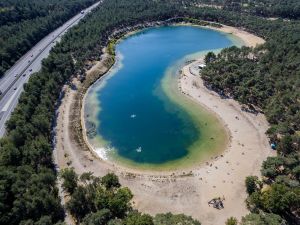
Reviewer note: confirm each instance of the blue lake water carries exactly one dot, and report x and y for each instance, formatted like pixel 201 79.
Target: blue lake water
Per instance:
pixel 137 118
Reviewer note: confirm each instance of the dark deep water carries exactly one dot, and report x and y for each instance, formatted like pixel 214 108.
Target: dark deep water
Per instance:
pixel 136 117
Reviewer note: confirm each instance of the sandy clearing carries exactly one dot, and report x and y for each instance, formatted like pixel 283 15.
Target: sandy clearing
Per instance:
pixel 157 192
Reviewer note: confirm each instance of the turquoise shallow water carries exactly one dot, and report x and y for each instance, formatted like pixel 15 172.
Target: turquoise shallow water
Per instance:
pixel 137 119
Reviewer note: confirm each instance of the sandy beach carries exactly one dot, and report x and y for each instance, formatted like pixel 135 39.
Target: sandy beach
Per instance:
pixel 182 191
pixel 249 39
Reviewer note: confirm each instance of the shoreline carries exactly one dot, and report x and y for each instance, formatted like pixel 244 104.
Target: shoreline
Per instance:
pixel 240 37
pixel 181 191
pixel 169 86
pixel 250 40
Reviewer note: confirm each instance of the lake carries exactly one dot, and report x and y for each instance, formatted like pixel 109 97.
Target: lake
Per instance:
pixel 139 117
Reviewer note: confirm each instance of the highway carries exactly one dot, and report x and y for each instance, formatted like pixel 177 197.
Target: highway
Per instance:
pixel 11 84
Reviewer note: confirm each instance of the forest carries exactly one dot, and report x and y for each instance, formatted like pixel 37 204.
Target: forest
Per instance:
pixel 95 200
pixel 289 9
pixel 24 23
pixel 28 192
pixel 265 78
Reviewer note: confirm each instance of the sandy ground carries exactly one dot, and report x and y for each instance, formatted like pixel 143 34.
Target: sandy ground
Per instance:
pixel 183 191
pixel 249 39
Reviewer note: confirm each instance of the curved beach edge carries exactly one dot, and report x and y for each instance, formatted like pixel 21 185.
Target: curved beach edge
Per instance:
pixel 250 40
pixel 240 36
pixel 180 191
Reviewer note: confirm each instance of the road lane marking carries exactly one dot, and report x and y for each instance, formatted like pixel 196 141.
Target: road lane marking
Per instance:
pixel 5 108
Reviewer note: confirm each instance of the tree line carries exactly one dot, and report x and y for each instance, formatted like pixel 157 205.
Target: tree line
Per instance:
pixel 267 78
pixel 267 8
pixel 28 194
pixel 289 9
pixel 94 200
pixel 24 23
